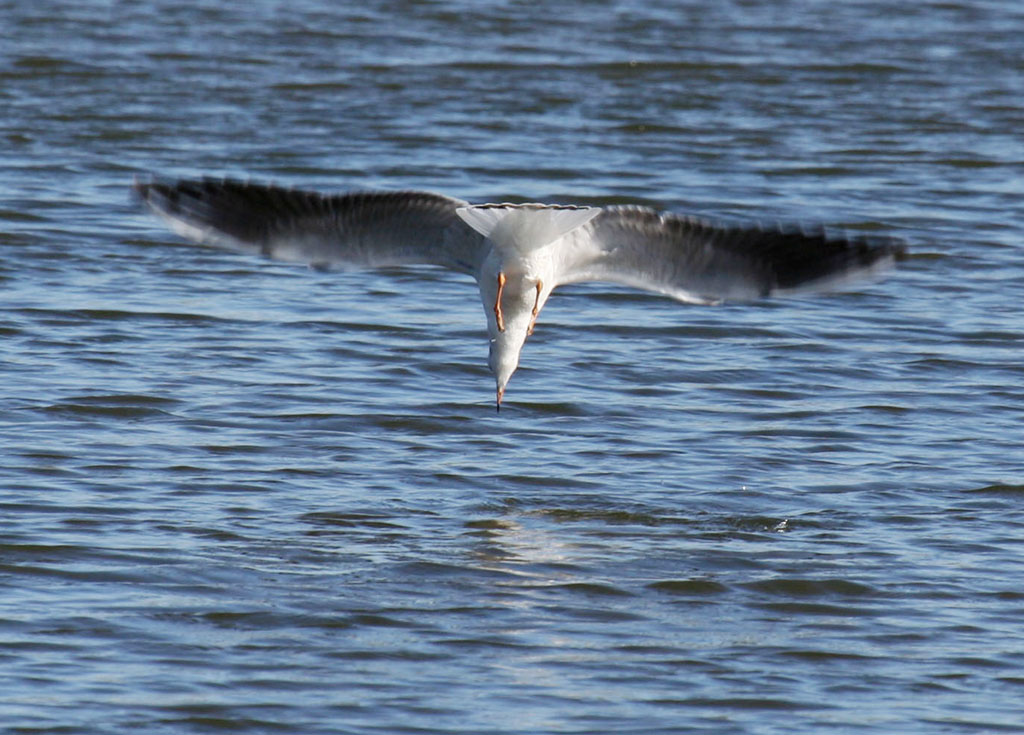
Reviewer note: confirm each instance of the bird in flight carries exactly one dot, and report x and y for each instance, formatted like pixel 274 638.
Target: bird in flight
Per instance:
pixel 518 253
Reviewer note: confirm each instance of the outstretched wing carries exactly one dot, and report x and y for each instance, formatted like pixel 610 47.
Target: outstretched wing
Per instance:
pixel 363 229
pixel 695 260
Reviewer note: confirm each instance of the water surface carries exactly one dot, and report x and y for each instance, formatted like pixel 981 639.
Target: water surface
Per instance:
pixel 244 496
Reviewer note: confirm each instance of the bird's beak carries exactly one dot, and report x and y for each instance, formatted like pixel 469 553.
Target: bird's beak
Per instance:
pixel 497 405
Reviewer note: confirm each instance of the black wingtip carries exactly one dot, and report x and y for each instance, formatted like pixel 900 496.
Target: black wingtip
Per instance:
pixel 146 188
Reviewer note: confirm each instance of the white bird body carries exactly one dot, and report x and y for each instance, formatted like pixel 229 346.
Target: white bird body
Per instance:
pixel 518 253
pixel 525 244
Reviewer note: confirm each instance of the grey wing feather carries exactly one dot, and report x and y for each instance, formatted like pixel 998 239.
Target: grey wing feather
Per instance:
pixel 696 260
pixel 363 229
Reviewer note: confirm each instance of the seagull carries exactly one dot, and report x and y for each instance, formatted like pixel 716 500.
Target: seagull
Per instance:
pixel 518 253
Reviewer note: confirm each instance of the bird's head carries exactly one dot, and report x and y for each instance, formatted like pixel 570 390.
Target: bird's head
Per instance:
pixel 508 333
pixel 504 359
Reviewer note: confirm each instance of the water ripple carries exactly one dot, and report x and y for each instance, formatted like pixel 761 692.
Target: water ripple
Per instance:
pixel 239 495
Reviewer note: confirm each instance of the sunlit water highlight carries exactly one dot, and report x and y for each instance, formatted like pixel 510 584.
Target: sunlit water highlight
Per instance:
pixel 242 496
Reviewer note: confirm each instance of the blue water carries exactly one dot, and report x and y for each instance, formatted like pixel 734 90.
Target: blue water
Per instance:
pixel 242 496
